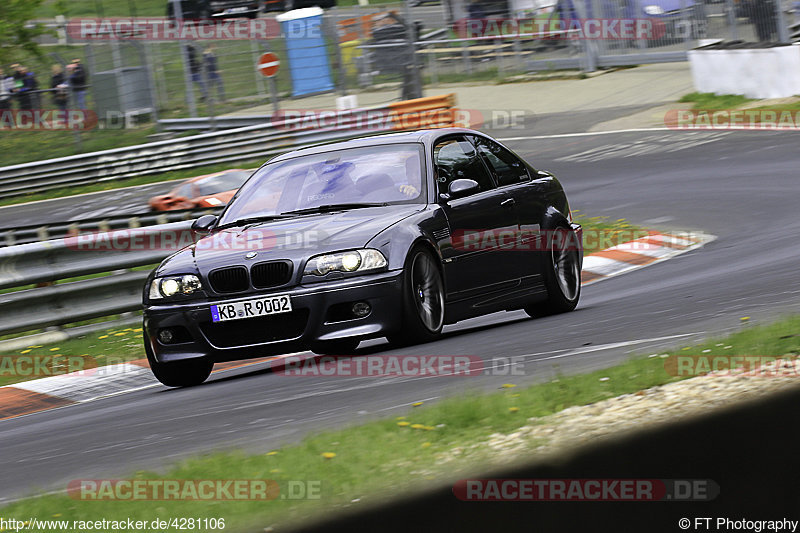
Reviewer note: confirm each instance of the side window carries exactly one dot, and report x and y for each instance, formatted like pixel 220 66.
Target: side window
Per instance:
pixel 507 167
pixel 457 159
pixel 186 190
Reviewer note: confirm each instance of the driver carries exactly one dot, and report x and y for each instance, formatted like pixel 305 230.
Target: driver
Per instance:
pixel 335 181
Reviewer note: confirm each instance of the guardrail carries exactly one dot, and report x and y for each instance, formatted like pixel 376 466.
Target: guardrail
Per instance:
pixel 239 144
pixel 111 256
pixel 54 230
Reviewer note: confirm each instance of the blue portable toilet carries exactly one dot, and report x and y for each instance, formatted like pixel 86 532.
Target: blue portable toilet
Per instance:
pixel 309 66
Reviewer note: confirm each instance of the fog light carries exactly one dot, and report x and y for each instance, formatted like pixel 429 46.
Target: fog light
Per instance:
pixel 361 309
pixel 165 336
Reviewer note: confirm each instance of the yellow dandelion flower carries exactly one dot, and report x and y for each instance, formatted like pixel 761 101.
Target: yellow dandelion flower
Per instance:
pixel 272 453
pixel 403 424
pixel 400 418
pixel 416 404
pixel 138 330
pixel 513 409
pixel 25 351
pixel 54 349
pixel 428 428
pixel 103 337
pixel 508 386
pixel 417 426
pixel 426 444
pixel 328 455
pixel 120 334
pixel 744 318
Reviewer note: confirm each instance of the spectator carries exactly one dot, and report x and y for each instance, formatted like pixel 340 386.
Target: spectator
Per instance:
pixel 58 82
pixel 762 15
pixel 25 87
pixel 6 86
pixel 195 69
pixel 214 79
pixel 77 78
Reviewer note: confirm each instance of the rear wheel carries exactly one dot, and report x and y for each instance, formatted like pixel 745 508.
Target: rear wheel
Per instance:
pixel 178 373
pixel 562 275
pixel 423 299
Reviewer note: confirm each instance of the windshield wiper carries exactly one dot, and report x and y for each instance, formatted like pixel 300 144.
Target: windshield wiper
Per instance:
pixel 327 208
pixel 250 220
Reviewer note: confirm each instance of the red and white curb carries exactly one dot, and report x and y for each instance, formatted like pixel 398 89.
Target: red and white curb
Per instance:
pixel 78 387
pixel 639 253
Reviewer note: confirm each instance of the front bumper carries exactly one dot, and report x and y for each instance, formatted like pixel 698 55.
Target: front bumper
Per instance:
pixel 313 318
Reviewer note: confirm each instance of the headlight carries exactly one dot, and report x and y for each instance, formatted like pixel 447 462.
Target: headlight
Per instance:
pixel 172 285
pixel 352 261
pixel 654 10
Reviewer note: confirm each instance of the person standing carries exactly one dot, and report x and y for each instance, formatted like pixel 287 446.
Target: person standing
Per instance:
pixel 77 78
pixel 214 79
pixel 25 86
pixel 195 69
pixel 58 82
pixel 6 86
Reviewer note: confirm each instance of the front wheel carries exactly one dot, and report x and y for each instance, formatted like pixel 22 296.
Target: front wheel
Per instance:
pixel 178 373
pixel 423 299
pixel 562 276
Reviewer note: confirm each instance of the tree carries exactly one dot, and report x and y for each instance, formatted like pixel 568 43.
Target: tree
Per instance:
pixel 17 31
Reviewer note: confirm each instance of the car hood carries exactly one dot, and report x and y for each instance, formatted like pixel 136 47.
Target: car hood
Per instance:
pixel 295 239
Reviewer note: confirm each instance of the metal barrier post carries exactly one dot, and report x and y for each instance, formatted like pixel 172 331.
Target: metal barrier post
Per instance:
pixel 783 33
pixel 730 8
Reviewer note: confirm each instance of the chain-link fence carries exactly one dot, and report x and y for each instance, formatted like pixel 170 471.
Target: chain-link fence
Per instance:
pixel 385 54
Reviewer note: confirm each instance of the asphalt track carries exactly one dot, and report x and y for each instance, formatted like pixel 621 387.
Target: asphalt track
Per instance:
pixel 133 200
pixel 739 186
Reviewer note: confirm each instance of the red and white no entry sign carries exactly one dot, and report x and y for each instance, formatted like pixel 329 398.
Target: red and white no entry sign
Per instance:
pixel 268 64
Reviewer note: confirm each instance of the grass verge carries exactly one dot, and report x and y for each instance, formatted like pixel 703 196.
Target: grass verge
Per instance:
pixel 350 470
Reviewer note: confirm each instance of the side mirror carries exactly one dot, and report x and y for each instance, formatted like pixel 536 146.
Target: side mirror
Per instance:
pixel 461 187
pixel 543 174
pixel 204 224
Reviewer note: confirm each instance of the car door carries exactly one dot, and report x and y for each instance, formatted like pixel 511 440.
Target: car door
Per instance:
pixel 480 224
pixel 528 191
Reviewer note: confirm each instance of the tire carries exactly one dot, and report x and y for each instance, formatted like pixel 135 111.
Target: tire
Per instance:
pixel 178 373
pixel 562 277
pixel 423 299
pixel 336 347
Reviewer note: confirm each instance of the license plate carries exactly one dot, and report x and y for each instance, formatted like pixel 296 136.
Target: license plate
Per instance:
pixel 269 305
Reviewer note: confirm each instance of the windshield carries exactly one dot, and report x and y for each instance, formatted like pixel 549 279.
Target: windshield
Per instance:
pixel 373 174
pixel 221 183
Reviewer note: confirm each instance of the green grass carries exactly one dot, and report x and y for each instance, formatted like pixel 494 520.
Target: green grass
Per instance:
pixel 714 101
pixel 103 348
pixel 411 448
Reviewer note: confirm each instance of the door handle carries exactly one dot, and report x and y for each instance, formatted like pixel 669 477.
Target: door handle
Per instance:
pixel 508 202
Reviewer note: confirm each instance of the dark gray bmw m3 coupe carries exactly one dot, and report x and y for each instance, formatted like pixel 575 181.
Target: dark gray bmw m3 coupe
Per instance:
pixel 390 235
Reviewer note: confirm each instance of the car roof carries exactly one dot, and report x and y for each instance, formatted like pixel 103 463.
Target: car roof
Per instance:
pixel 419 136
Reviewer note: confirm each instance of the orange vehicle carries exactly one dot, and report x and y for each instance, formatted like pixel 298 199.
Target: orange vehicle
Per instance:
pixel 210 190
